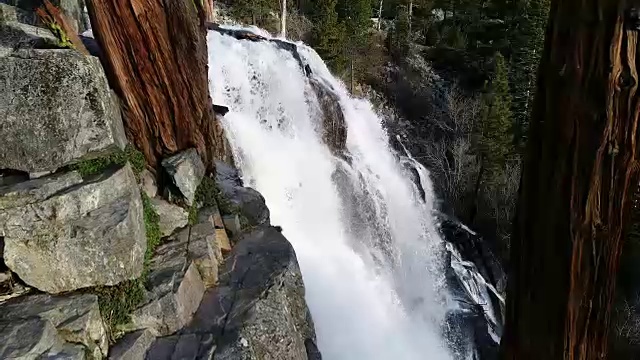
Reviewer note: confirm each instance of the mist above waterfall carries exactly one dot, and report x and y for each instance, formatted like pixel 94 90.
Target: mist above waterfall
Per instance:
pixel 364 233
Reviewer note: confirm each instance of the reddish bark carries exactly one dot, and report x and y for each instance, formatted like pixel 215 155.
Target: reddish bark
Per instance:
pixel 579 176
pixel 50 15
pixel 155 54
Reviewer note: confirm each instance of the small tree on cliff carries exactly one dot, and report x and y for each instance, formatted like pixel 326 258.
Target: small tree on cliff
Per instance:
pixel 328 35
pixel 580 172
pixel 496 138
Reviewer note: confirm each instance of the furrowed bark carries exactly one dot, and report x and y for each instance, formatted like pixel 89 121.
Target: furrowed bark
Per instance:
pixel 155 55
pixel 576 189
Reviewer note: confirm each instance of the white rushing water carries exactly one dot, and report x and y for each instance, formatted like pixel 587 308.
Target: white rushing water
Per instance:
pixel 365 239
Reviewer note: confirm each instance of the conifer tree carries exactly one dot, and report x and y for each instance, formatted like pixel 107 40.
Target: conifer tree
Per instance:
pixel 528 23
pixel 328 35
pixel 496 139
pixel 356 16
pixel 401 33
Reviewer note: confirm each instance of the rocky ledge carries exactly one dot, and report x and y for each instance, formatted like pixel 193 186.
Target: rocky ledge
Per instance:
pixel 102 256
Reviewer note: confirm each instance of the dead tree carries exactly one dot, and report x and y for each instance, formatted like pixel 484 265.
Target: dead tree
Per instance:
pixel 155 55
pixel 580 171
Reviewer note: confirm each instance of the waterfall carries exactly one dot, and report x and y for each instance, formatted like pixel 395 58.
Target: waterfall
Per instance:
pixel 364 233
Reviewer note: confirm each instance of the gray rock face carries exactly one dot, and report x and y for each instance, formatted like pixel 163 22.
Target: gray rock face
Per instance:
pixel 232 223
pixel 73 9
pixel 148 183
pixel 27 339
pixel 171 216
pixel 258 312
pixel 250 202
pixel 14 35
pixel 186 170
pixel 33 191
pixel 132 346
pixel 176 284
pixel 74 319
pixel 334 125
pixel 61 238
pixel 56 108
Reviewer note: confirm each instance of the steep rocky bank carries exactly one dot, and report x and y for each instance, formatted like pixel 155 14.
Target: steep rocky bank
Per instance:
pixel 101 256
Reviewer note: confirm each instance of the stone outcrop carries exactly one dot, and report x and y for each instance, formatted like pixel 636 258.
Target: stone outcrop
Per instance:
pixel 61 235
pixel 257 312
pixel 171 216
pixel 132 346
pixel 186 171
pixel 52 321
pixel 148 183
pixel 56 108
pixel 15 35
pixel 73 9
pixel 333 121
pixel 232 224
pixel 211 216
pixel 180 271
pixel 248 201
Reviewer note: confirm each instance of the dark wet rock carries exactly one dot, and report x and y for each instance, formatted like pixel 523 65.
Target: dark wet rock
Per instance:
pixel 220 110
pixel 472 276
pixel 250 202
pixel 333 121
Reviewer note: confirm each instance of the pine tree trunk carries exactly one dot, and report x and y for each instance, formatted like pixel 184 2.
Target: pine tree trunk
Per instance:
pixel 283 19
pixel 580 172
pixel 380 16
pixel 155 55
pixel 209 10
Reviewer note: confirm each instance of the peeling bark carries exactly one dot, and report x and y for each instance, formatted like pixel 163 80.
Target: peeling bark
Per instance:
pixel 576 188
pixel 155 55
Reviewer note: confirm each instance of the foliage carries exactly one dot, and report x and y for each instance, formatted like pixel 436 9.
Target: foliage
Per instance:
pixel 117 302
pixel 401 37
pixel 98 165
pixel 328 35
pixel 255 12
pixel 151 225
pixel 496 136
pixel 527 39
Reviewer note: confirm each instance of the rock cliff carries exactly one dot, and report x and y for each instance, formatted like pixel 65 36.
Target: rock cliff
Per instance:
pixel 103 256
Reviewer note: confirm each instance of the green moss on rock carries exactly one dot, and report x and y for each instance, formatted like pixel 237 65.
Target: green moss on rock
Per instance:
pixel 98 165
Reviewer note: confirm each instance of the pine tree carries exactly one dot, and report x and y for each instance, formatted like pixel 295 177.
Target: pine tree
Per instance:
pixel 577 186
pixel 356 16
pixel 496 139
pixel 328 35
pixel 528 23
pixel 401 37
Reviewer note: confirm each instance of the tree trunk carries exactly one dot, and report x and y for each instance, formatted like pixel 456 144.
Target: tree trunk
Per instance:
pixel 580 172
pixel 155 55
pixel 410 14
pixel 209 10
pixel 380 16
pixel 283 19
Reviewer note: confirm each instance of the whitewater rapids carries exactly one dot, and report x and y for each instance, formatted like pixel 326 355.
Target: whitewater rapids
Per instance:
pixel 365 238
